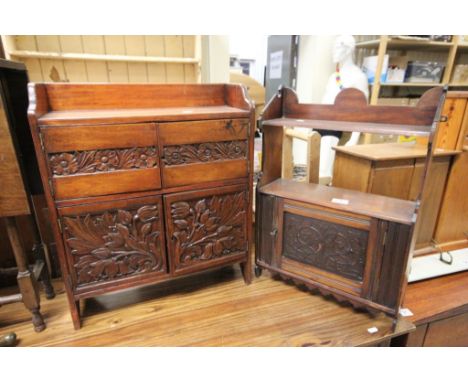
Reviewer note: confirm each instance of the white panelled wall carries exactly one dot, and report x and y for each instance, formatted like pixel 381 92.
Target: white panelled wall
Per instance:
pixel 314 67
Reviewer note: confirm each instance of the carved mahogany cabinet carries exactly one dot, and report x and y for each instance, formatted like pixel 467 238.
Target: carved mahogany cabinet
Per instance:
pixel 349 244
pixel 144 183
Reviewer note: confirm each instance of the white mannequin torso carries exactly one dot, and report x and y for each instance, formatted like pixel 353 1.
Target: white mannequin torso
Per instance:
pixel 350 76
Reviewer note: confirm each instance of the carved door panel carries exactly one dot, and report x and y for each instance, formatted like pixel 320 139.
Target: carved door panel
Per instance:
pixel 206 228
pixel 204 151
pixel 85 161
pixel 332 247
pixel 112 242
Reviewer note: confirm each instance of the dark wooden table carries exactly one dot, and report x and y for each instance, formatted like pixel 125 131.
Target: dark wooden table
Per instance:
pixel 440 308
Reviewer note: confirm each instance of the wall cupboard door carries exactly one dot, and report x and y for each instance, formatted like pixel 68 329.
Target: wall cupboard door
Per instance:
pixel 110 242
pixel 330 246
pixel 206 228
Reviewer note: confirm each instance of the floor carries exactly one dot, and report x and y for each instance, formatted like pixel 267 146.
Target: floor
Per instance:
pixel 210 309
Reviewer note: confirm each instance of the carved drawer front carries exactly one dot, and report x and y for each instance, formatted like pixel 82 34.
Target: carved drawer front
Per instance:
pixel 111 242
pixel 204 151
pixel 206 228
pixel 326 245
pixel 100 160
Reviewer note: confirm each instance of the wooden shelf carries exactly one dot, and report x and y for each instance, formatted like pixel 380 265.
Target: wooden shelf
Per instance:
pixel 371 128
pixel 390 151
pixel 378 206
pixel 456 84
pixel 56 118
pixel 463 46
pixel 102 57
pixel 395 43
pixel 412 84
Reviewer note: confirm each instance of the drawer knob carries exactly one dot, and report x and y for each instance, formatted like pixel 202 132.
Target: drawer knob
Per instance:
pixel 229 124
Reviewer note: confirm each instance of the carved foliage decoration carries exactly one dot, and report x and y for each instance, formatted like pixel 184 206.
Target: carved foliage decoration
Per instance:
pixel 204 152
pixel 114 244
pixel 329 246
pixel 209 228
pixel 103 160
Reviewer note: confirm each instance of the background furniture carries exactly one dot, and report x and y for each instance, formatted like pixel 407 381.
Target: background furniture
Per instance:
pixel 312 168
pixel 449 53
pixel 395 170
pixel 14 200
pixel 352 245
pixel 144 183
pixel 105 58
pixel 440 308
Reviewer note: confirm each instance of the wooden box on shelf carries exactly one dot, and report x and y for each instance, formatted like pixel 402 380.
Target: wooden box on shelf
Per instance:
pixel 395 170
pixel 144 183
pixel 349 244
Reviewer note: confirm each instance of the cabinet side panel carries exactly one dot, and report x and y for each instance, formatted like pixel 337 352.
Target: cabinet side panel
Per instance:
pixel 264 226
pixel 394 263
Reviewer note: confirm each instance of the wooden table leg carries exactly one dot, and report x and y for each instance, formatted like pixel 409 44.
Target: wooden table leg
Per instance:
pixel 26 281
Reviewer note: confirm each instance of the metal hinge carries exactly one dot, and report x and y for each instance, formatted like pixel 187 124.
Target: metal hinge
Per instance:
pixel 59 223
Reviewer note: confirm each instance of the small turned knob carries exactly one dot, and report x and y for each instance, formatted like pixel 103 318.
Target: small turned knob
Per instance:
pixel 8 340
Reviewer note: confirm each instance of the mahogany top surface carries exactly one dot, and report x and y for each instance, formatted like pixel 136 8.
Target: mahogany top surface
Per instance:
pixel 363 127
pixel 437 298
pixel 215 309
pixel 378 206
pixel 72 103
pixel 57 118
pixel 351 112
pixel 391 151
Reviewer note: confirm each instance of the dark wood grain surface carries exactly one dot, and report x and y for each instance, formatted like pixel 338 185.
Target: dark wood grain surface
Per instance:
pixel 358 202
pixel 208 309
pixel 437 298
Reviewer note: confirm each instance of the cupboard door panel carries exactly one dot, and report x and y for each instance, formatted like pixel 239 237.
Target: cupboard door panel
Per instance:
pixel 112 241
pixel 206 228
pixel 104 159
pixel 392 178
pixel 204 151
pixel 329 246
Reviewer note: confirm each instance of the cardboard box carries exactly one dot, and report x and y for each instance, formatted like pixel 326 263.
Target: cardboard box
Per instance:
pixel 369 67
pixel 396 69
pixel 424 71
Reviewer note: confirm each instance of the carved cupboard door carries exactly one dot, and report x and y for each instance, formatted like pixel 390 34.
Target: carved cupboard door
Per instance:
pixel 323 244
pixel 115 241
pixel 207 228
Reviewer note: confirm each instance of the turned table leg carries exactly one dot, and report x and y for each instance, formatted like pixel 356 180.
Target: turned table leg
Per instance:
pixel 26 281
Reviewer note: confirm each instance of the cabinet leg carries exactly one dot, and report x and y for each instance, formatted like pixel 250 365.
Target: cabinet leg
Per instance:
pixel 246 270
pixel 37 320
pixel 75 313
pixel 258 271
